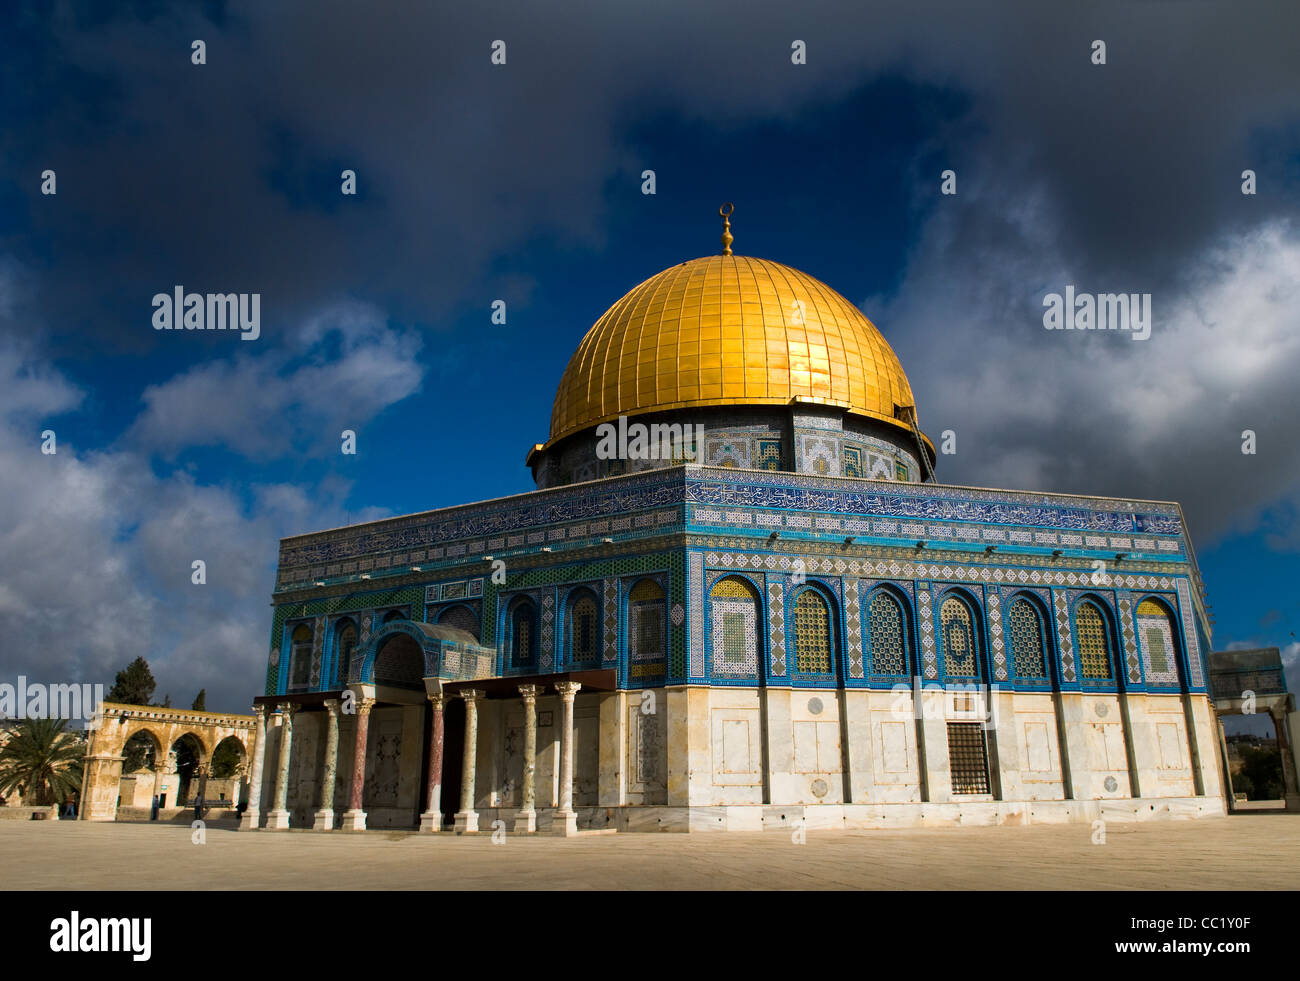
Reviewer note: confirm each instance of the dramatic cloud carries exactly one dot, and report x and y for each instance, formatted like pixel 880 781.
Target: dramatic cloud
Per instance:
pixel 343 367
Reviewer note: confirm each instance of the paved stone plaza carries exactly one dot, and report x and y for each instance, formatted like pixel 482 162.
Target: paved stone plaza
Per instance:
pixel 1249 852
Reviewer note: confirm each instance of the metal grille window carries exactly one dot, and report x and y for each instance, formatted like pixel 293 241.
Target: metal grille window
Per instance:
pixel 968 758
pixel 521 635
pixel 300 664
pixel 583 629
pixel 1094 645
pixel 812 634
pixel 958 638
pixel 885 636
pixel 646 621
pixel 1154 637
pixel 347 644
pixel 462 618
pixel 1026 640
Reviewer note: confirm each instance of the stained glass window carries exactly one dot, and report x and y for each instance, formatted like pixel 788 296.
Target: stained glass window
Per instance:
pixel 1094 646
pixel 1156 628
pixel 734 617
pixel 582 629
pixel 812 634
pixel 958 631
pixel 1027 653
pixel 885 636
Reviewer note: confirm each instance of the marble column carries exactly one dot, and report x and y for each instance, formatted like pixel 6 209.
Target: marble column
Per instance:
pixel 355 818
pixel 325 816
pixel 252 814
pixel 278 819
pixel 526 820
pixel 467 817
pixel 1290 795
pixel 431 819
pixel 566 820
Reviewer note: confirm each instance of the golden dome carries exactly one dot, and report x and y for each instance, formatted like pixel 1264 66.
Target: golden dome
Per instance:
pixel 730 330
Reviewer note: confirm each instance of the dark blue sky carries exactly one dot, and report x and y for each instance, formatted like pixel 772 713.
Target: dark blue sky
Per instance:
pixel 522 182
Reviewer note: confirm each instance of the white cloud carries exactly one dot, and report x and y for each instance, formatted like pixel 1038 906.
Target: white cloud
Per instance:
pixel 340 369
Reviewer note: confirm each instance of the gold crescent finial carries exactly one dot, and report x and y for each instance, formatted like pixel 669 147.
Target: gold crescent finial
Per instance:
pixel 725 212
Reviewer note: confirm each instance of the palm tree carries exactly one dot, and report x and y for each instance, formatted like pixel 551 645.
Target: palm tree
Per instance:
pixel 42 761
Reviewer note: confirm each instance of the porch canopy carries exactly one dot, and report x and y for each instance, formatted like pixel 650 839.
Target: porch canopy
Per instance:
pixel 508 687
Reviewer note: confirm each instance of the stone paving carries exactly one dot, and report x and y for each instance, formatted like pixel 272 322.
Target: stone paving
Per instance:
pixel 1247 852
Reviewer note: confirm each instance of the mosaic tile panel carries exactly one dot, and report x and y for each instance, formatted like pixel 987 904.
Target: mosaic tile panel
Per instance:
pixel 853 628
pixel 695 566
pixel 1124 605
pixel 994 602
pixel 776 625
pixel 1190 636
pixel 546 662
pixel 611 621
pixel 1066 644
pixel 929 658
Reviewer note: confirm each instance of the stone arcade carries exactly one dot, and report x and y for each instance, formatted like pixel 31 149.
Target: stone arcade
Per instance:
pixel 736 642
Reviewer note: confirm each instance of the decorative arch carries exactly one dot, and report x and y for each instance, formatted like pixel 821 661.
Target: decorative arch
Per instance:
pixel 886 627
pixel 647 629
pixel 1157 632
pixel 734 628
pixel 814 637
pixel 582 628
pixel 1094 639
pixel 367 654
pixel 394 615
pixel 462 618
pixel 960 632
pixel 300 651
pixel 346 634
pixel 521 633
pixel 1027 636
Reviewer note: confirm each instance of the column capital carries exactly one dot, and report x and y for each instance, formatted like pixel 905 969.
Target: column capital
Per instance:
pixel 437 701
pixel 567 689
pixel 364 704
pixel 471 694
pixel 529 692
pixel 287 709
pixel 332 706
pixel 260 712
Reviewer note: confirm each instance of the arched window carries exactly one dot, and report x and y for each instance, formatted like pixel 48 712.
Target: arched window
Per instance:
pixel 300 658
pixel 522 620
pixel 584 633
pixel 645 627
pixel 733 619
pixel 1028 656
pixel 1155 628
pixel 886 635
pixel 1093 641
pixel 346 643
pixel 957 627
pixel 812 634
pixel 462 618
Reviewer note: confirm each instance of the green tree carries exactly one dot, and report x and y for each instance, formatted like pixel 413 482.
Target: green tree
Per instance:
pixel 225 760
pixel 42 761
pixel 200 701
pixel 167 701
pixel 134 685
pixel 1263 766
